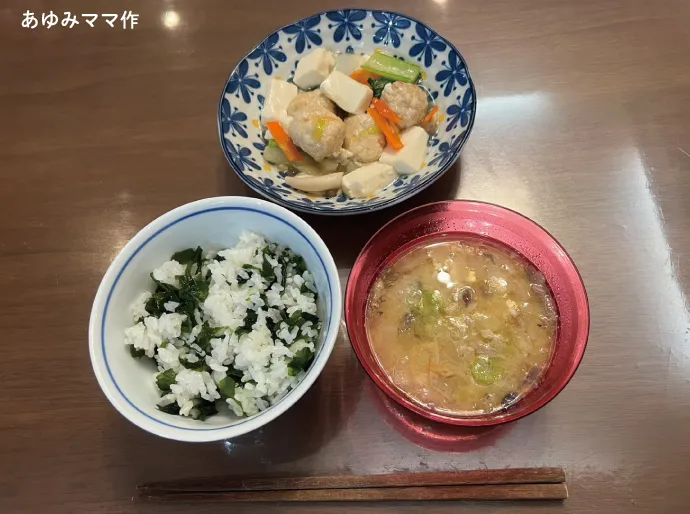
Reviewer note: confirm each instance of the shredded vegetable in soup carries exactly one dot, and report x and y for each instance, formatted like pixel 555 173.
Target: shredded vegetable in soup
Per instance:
pixel 462 328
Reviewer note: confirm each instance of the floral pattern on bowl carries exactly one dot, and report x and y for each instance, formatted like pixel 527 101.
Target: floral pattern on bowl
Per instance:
pixel 348 30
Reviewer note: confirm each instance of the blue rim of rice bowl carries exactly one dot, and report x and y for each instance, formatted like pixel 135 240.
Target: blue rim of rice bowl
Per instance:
pixel 124 267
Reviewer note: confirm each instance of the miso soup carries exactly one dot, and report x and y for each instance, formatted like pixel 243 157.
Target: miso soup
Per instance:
pixel 462 327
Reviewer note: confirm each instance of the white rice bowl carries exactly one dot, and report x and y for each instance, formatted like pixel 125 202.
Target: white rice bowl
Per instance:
pixel 259 359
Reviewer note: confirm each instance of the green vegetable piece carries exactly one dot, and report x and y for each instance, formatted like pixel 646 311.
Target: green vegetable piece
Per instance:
pixel 378 84
pixel 301 360
pixel 234 372
pixel 425 312
pixel 267 271
pixel 240 331
pixel 193 291
pixel 220 331
pixel 162 287
pixel 392 68
pixel 272 326
pixel 199 258
pixel 193 288
pixel 204 338
pixel 300 265
pixel 249 268
pixel 486 370
pixel 250 318
pixel 165 379
pixel 205 409
pixel 164 293
pixel 199 365
pixel 305 290
pixel 137 353
pixel 274 155
pixel 171 408
pixel 188 256
pixel 155 305
pixel 227 387
pixel 310 317
pixel 320 129
pixel 295 318
pixel 431 304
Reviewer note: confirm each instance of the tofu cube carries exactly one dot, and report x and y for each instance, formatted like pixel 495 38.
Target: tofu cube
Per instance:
pixel 313 68
pixel 410 157
pixel 368 180
pixel 348 63
pixel 350 95
pixel 279 96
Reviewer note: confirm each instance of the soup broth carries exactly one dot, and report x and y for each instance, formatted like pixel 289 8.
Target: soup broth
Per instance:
pixel 461 327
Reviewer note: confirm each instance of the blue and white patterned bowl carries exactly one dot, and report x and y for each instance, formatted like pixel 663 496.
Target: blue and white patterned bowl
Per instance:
pixel 349 30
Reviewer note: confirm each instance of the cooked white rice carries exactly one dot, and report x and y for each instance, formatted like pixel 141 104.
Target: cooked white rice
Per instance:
pixel 239 325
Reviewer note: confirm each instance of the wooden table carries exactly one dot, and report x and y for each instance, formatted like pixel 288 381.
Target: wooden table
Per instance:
pixel 583 125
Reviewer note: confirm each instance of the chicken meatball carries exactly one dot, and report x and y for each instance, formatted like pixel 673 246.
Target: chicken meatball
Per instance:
pixel 311 101
pixel 319 133
pixel 408 101
pixel 363 138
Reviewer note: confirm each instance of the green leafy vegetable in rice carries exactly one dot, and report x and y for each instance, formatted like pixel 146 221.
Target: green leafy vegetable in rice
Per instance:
pixel 238 326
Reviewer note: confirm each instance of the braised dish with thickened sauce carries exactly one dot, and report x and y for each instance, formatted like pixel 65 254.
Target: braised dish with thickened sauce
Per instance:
pixel 462 327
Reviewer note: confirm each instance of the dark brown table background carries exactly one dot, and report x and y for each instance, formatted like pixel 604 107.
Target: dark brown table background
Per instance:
pixel 583 124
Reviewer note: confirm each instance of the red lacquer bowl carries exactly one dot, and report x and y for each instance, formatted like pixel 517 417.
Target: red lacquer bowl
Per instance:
pixel 495 225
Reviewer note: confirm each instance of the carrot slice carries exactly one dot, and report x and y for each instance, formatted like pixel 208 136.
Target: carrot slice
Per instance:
pixel 385 111
pixel 284 141
pixel 389 130
pixel 430 116
pixel 363 76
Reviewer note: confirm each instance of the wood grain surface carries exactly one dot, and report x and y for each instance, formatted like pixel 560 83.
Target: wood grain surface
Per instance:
pixel 583 124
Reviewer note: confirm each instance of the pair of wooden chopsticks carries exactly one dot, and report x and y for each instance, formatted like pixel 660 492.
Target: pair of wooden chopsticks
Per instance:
pixel 497 484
